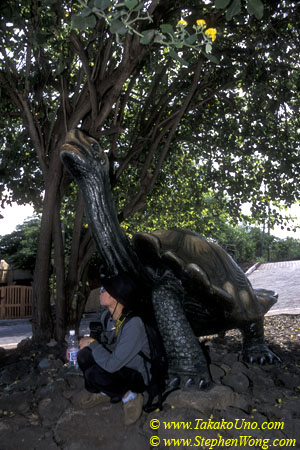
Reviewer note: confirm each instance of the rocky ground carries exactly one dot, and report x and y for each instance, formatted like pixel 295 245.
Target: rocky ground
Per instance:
pixel 39 402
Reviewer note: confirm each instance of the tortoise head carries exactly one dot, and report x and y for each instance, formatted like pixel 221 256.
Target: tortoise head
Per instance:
pixel 86 161
pixel 82 155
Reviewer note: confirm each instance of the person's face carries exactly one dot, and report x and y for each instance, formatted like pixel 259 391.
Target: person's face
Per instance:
pixel 106 299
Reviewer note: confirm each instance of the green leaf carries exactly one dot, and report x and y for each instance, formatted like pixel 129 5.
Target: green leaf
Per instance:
pixel 178 44
pixel 41 37
pixel 220 4
pixel 77 22
pixel 130 4
pixel 86 12
pixel 234 9
pixel 191 39
pixel 208 48
pixel 147 36
pixel 117 27
pixel 102 4
pixel 256 7
pixel 211 58
pixel 178 58
pixel 166 28
pixel 82 23
pixel 139 7
pixel 60 68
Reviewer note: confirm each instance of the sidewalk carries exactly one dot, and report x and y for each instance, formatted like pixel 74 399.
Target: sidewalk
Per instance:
pixel 284 278
pixel 15 330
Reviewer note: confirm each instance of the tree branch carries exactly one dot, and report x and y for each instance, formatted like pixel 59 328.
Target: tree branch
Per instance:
pixel 176 122
pixel 78 46
pixel 33 127
pixel 28 64
pixel 148 178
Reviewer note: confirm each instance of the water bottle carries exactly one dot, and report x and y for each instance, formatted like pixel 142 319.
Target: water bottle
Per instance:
pixel 72 349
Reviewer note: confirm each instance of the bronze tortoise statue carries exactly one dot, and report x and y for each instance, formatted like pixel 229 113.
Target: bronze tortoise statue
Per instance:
pixel 195 288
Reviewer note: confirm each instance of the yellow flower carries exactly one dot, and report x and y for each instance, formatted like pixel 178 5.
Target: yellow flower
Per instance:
pixel 182 23
pixel 201 23
pixel 211 32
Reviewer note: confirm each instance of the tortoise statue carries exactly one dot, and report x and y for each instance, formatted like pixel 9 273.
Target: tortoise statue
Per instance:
pixel 195 288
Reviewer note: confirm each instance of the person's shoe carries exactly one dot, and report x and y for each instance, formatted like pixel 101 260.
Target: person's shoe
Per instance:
pixel 90 400
pixel 133 410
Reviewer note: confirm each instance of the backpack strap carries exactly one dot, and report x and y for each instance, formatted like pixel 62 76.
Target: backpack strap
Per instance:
pixel 106 318
pixel 119 322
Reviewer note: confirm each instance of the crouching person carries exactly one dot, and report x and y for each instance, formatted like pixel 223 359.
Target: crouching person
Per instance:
pixel 113 368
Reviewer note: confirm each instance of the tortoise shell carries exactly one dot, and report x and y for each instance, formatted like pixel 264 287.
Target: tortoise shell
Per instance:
pixel 205 265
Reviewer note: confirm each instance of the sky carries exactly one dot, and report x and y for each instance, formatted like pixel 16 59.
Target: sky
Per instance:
pixel 15 215
pixel 294 211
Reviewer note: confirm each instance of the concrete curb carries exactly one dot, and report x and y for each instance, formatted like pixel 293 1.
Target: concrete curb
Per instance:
pixel 254 267
pixel 278 312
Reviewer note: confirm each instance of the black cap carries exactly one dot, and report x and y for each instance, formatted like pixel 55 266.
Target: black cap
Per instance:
pixel 121 287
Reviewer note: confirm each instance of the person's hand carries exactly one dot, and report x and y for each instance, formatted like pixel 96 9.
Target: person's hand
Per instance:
pixel 85 341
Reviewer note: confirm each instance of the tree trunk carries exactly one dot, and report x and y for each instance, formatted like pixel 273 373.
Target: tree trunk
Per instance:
pixel 71 283
pixel 59 260
pixel 42 325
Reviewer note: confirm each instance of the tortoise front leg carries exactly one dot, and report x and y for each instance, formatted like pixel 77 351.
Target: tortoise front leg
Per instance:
pixel 254 347
pixel 184 353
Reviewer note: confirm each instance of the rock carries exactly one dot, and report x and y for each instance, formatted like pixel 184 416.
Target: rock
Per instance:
pixel 80 445
pixel 263 396
pixel 219 396
pixel 27 438
pixel 216 373
pixel 289 380
pixel 215 355
pixel 293 406
pixel 47 444
pixel 240 367
pixel 226 368
pixel 52 343
pixel 237 381
pixel 292 429
pixel 51 409
pixel 100 427
pixel 6 377
pixel 16 401
pixel 230 359
pixel 4 427
pixel 74 380
pixel 242 402
pixel 44 364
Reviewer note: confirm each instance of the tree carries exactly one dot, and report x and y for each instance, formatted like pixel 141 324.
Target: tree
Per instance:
pixel 285 250
pixel 19 247
pixel 134 76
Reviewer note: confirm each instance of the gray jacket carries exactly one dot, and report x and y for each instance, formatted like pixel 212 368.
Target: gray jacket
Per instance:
pixel 122 350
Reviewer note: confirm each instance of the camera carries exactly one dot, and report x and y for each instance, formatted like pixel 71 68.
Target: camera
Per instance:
pixel 96 329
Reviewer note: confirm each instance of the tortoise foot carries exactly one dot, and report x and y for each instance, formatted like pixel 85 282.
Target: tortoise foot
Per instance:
pixel 188 381
pixel 199 383
pixel 260 355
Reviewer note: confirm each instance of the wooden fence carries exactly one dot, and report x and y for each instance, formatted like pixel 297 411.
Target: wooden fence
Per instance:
pixel 15 302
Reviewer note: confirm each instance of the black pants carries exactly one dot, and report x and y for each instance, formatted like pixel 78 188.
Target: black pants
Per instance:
pixel 115 384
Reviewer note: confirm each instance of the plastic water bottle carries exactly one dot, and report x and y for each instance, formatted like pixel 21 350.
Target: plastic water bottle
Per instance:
pixel 72 349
